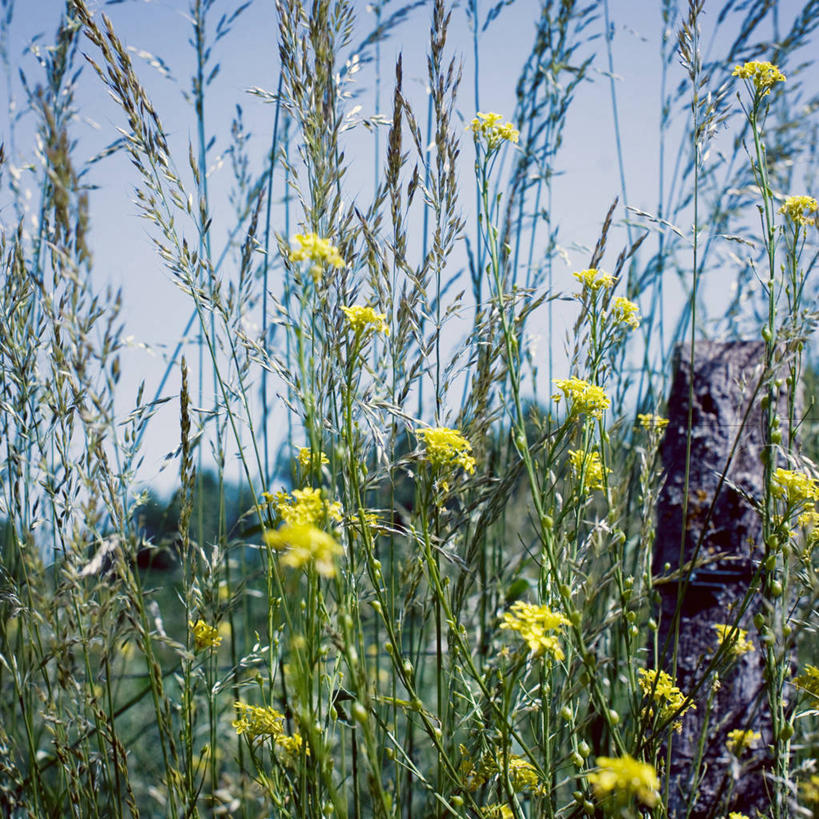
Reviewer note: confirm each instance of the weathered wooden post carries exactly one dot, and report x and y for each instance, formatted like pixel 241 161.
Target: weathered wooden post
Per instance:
pixel 724 532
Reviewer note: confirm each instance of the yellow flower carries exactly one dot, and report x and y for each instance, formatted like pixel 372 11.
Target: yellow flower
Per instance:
pixel 797 208
pixel 584 398
pixel 266 723
pixel 590 467
pixel 623 778
pixel 809 681
pixel 624 311
pixel 364 320
pixel 446 448
pixel 304 544
pixel 311 247
pixel 205 636
pixel 734 814
pixel 497 811
pixel 763 75
pixel 304 506
pixel 740 741
pixel 810 790
pixel 660 687
pixel 593 279
pixel 305 458
pixel 493 130
pixel 534 623
pixel 794 487
pixel 651 422
pixel 740 644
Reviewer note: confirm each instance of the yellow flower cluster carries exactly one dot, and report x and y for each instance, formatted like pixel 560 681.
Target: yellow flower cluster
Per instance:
pixel 364 320
pixel 534 623
pixel 809 681
pixel 257 722
pixel 735 814
pixel 799 208
pixel 740 741
pixel 624 311
pixel 593 279
pixel 740 644
pixel 304 545
pixel 305 458
pixel 660 687
pixel 493 130
pixel 311 247
pixel 794 487
pixel 205 636
pixel 809 789
pixel 624 778
pixel 497 811
pixel 763 75
pixel 589 467
pixel 651 422
pixel 522 774
pixel 584 398
pixel 305 506
pixel 446 447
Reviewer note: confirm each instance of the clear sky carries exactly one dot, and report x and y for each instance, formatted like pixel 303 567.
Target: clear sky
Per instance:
pixel 158 32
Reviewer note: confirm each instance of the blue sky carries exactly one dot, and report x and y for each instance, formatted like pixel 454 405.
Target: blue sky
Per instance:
pixel 156 311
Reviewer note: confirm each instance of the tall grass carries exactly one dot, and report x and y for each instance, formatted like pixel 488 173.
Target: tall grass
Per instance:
pixel 441 599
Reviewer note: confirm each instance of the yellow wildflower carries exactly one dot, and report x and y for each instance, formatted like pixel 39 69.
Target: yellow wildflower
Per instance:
pixel 493 130
pixel 497 811
pixel 651 422
pixel 447 447
pixel 589 466
pixel 735 814
pixel 534 623
pixel 257 722
pixel 311 247
pixel 794 487
pixel 623 778
pixel 810 790
pixel 593 279
pixel 797 208
pixel 809 681
pixel 660 687
pixel 763 75
pixel 624 311
pixel 304 544
pixel 205 636
pixel 364 320
pixel 740 644
pixel 740 741
pixel 584 398
pixel 305 506
pixel 305 458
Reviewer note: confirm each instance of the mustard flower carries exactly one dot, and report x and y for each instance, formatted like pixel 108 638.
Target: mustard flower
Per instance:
pixel 364 320
pixel 624 778
pixel 204 636
pixel 497 811
pixel 534 623
pixel 446 447
pixel 763 75
pixel 734 814
pixel 302 545
pixel 311 247
pixel 740 644
pixel 794 487
pixel 651 422
pixel 809 788
pixel 584 398
pixel 305 506
pixel 809 681
pixel 740 741
pixel 798 208
pixel 660 687
pixel 593 279
pixel 491 129
pixel 625 312
pixel 257 722
pixel 305 458
pixel 589 466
